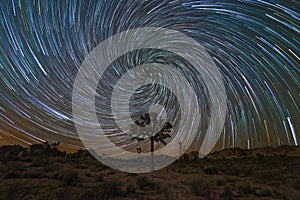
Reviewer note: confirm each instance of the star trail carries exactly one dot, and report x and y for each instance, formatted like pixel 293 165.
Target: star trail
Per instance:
pixel 255 45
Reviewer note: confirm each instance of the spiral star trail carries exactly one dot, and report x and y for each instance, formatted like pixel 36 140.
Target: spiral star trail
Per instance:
pixel 255 45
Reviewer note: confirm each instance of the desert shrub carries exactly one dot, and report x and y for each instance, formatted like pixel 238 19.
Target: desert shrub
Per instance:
pixel 50 168
pixel 210 170
pixel 220 182
pixel 183 171
pixel 33 174
pixel 88 174
pixel 247 188
pixel 132 174
pixel 111 173
pixel 269 175
pixel 201 189
pixel 54 175
pixel 110 189
pixel 39 161
pixel 12 174
pixel 263 192
pixel 143 182
pixel 69 177
pixel 230 179
pixel 99 178
pixel 26 159
pixel 259 155
pixel 15 166
pixel 70 193
pixel 131 188
pixel 227 194
pixel 10 191
pixel 88 195
pixel 59 159
pixel 81 166
pixel 169 191
pixel 296 184
pixel 83 193
pixel 232 171
pixel 36 163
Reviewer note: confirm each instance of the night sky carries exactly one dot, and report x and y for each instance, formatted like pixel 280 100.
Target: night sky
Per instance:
pixel 255 45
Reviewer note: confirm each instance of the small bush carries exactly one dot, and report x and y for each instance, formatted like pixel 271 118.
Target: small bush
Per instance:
pixel 15 167
pixel 263 192
pixel 131 188
pixel 143 182
pixel 50 168
pixel 88 174
pixel 227 194
pixel 210 170
pixel 111 173
pixel 99 178
pixel 10 191
pixel 110 189
pixel 169 191
pixel 220 182
pixel 247 188
pixel 39 161
pixel 54 175
pixel 69 177
pixel 201 189
pixel 88 195
pixel 33 174
pixel 12 174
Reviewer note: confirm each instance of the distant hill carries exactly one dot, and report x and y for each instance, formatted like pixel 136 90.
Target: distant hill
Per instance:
pixel 15 152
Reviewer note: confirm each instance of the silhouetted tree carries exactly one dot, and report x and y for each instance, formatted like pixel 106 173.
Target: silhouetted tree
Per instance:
pixel 55 145
pixel 163 134
pixel 139 150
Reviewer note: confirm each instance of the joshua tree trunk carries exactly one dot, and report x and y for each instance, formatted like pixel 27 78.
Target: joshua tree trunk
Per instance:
pixel 152 153
pixel 158 137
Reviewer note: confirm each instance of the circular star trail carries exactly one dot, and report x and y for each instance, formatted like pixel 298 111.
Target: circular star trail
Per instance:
pixel 255 45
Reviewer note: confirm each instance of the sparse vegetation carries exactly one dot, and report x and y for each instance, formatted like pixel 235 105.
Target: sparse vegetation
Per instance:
pixel 68 176
pixel 41 175
pixel 201 188
pixel 211 170
pixel 99 178
pixel 144 182
pixel 131 188
pixel 227 194
pixel 110 189
pixel 33 174
pixel 169 191
pixel 247 188
pixel 12 174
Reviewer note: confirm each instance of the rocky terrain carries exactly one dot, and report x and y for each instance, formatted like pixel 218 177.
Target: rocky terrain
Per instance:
pixel 43 172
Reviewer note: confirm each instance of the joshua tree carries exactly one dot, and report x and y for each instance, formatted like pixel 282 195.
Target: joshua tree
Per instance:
pixel 163 134
pixel 55 145
pixel 139 150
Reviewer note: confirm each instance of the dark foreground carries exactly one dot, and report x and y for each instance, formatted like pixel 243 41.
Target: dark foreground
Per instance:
pixel 47 173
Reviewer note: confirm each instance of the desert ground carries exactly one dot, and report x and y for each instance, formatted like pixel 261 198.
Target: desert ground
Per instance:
pixel 40 172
